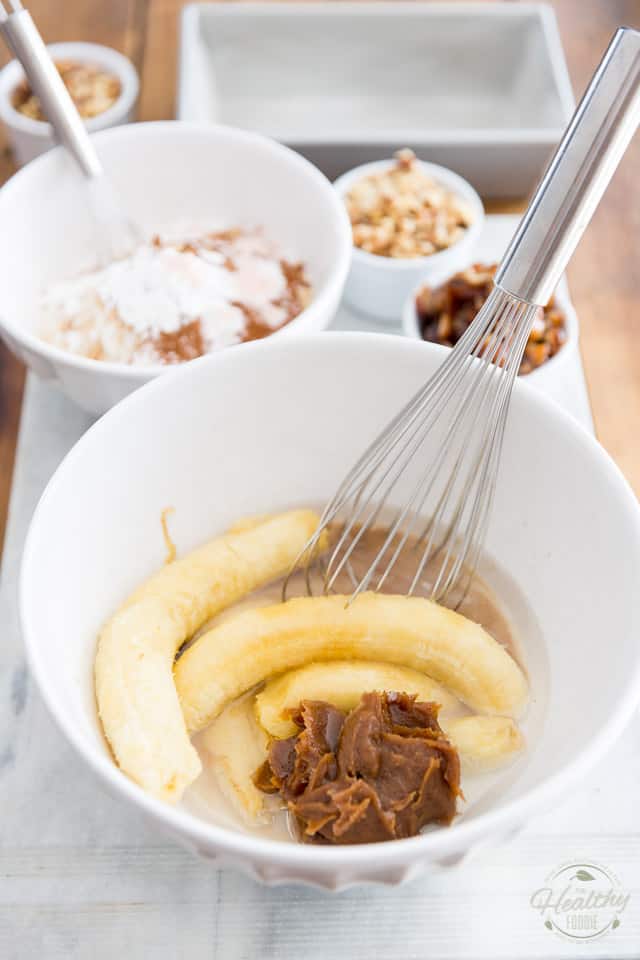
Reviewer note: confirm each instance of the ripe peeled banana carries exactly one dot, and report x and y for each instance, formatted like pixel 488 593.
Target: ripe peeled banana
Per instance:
pixel 341 683
pixel 233 739
pixel 237 745
pixel 137 700
pixel 231 658
pixel 484 743
pixel 238 739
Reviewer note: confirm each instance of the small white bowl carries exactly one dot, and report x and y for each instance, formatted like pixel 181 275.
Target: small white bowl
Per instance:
pixel 547 375
pixel 377 285
pixel 276 424
pixel 166 174
pixel 29 138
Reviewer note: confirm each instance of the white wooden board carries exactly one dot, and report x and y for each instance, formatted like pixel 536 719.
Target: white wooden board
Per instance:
pixel 82 876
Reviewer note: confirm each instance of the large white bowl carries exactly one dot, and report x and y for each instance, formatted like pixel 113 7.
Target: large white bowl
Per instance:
pixel 165 173
pixel 378 286
pixel 276 424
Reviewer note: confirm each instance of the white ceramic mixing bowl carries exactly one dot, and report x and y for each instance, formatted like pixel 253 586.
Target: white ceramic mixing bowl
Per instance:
pixel 276 424
pixel 166 174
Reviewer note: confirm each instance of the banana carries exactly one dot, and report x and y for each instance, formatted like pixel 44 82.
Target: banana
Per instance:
pixel 238 739
pixel 229 659
pixel 237 745
pixel 484 743
pixel 342 684
pixel 136 695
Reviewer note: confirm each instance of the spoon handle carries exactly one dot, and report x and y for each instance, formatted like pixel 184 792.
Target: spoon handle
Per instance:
pixel 28 46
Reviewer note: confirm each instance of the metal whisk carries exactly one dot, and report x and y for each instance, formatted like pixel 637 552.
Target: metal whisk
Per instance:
pixel 461 411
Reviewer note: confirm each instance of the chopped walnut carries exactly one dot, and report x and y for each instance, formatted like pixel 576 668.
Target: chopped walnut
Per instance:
pixel 445 312
pixel 92 89
pixel 403 212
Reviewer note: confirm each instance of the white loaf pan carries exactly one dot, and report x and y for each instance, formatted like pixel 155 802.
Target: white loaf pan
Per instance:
pixel 480 88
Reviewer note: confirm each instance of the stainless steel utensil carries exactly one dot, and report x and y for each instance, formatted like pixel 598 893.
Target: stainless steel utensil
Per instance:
pixel 459 416
pixel 25 42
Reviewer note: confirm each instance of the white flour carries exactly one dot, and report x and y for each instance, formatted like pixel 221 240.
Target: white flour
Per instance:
pixel 119 312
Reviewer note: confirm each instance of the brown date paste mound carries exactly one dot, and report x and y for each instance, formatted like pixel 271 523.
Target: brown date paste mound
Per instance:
pixel 381 772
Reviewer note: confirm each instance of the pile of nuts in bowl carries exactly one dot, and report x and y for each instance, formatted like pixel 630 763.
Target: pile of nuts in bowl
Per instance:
pixel 402 212
pixel 92 88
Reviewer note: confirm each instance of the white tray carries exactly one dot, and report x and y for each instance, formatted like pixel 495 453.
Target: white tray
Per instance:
pixel 481 88
pixel 83 875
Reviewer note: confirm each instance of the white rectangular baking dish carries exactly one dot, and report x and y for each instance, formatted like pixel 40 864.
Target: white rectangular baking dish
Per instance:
pixel 481 88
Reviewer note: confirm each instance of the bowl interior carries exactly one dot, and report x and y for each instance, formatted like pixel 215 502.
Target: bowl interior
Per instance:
pixel 467 68
pixel 277 424
pixel 166 174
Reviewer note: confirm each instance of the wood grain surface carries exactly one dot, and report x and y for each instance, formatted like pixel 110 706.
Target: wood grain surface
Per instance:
pixel 605 273
pixel 116 23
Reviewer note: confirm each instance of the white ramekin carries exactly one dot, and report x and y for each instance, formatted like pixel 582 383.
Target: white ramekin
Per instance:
pixel 29 138
pixel 544 377
pixel 378 286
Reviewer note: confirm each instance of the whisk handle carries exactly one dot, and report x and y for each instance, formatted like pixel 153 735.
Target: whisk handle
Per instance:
pixel 28 46
pixel 578 174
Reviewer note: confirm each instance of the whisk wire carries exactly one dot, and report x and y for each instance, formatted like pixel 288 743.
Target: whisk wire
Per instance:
pixel 416 409
pixel 387 440
pixel 497 355
pixel 466 403
pixel 421 491
pixel 482 473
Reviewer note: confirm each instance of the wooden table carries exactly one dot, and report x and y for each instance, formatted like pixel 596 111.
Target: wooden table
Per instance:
pixel 604 276
pixel 83 875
